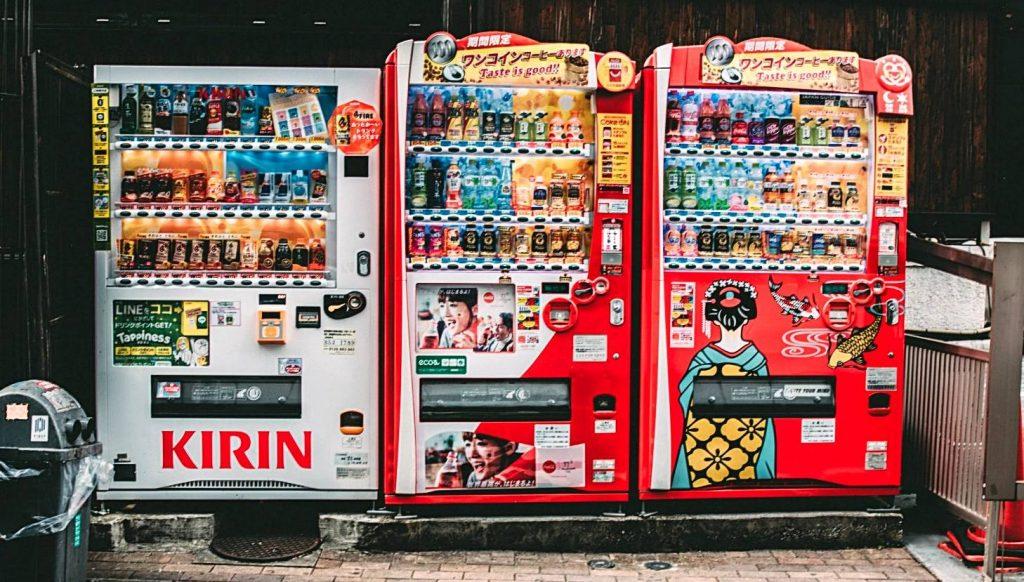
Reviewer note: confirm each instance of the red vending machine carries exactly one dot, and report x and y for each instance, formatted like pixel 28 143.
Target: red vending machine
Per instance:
pixel 507 212
pixel 774 235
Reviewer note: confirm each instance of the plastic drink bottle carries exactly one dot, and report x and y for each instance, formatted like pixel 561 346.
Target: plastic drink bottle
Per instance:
pixel 738 188
pixel 232 112
pixel 688 248
pixel 418 199
pixel 574 131
pixel 706 122
pixel 755 187
pixel 705 188
pixel 504 201
pixel 130 110
pixel 471 119
pixel 689 194
pixel 250 113
pixel 674 121
pixel 197 113
pixel 755 129
pixel 772 127
pixel 437 119
pixel 488 188
pixel 673 185
pixel 690 118
pixel 471 185
pixel 556 130
pixel 147 109
pixel 723 122
pixel 455 126
pixel 453 186
pixel 162 116
pixel 419 116
pixel 721 186
pixel 214 119
pixel 673 238
pixel 787 123
pixel 739 129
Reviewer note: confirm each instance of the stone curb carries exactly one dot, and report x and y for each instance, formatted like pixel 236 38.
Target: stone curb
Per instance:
pixel 660 533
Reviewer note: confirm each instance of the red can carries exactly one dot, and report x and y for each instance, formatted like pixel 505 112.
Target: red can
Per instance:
pixel 417 241
pixel 435 241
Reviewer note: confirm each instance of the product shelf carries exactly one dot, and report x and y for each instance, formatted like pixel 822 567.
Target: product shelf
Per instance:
pixel 492 148
pixel 220 279
pixel 214 142
pixel 766 218
pixel 267 211
pixel 489 216
pixel 491 264
pixel 738 264
pixel 772 151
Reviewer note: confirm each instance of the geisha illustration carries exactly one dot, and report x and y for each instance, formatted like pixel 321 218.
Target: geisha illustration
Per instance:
pixel 715 451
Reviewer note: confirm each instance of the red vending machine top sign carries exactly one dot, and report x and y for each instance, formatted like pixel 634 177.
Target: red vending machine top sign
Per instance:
pixel 773 261
pixel 507 209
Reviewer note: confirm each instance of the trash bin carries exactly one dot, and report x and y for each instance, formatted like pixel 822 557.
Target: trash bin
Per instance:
pixel 49 469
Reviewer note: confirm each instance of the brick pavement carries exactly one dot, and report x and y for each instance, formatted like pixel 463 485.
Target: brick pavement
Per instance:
pixel 349 566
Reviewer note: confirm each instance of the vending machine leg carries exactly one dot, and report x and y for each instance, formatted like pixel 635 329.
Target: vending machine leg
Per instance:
pixel 374 510
pixel 618 513
pixel 643 511
pixel 402 515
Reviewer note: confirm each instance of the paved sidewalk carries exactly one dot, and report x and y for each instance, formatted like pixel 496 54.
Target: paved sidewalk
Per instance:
pixel 349 566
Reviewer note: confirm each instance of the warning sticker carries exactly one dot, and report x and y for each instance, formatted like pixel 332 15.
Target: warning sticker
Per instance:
pixel 340 342
pixel 551 436
pixel 881 378
pixel 604 476
pixel 604 425
pixel 351 473
pixel 878 446
pixel 226 313
pixel 604 464
pixel 817 430
pixel 590 348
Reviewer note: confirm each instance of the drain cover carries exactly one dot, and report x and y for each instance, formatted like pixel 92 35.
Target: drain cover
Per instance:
pixel 601 564
pixel 265 532
pixel 657 565
pixel 263 547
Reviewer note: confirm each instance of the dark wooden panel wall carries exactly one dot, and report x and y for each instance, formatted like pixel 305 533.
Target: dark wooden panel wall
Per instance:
pixel 947 44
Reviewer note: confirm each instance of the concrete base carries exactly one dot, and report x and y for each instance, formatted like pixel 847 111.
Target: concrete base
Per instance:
pixel 660 533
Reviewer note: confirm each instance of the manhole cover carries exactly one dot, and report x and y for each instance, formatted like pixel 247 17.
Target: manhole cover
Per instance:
pixel 263 547
pixel 601 564
pixel 657 565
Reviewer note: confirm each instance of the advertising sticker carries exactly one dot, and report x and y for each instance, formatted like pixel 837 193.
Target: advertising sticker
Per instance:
pixel 161 333
pixel 466 317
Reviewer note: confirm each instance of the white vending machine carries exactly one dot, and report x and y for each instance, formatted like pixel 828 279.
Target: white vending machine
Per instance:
pixel 236 216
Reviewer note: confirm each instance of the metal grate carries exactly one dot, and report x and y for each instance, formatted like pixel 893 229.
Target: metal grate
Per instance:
pixel 235 484
pixel 264 547
pixel 944 423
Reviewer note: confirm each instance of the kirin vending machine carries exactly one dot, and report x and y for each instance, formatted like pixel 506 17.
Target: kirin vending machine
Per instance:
pixel 237 331
pixel 773 271
pixel 507 220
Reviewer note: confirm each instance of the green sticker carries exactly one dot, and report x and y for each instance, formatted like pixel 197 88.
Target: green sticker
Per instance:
pixel 78 530
pixel 440 364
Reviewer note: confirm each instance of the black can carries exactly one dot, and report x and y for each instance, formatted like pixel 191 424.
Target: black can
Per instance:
pixel 145 254
pixel 488 242
pixel 705 242
pixel 721 238
pixel 471 241
pixel 539 242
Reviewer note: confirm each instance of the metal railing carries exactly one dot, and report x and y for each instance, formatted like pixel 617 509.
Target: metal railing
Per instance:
pixel 944 424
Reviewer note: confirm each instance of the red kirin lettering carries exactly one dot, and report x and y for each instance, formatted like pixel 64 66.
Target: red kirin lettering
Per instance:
pixel 234 450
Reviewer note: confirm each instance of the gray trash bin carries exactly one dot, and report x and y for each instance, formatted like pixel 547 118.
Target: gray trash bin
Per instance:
pixel 49 469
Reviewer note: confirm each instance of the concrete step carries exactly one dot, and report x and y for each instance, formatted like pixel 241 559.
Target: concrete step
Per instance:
pixel 569 533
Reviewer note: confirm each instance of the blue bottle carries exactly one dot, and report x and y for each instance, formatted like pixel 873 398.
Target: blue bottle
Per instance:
pixel 489 186
pixel 250 112
pixel 504 200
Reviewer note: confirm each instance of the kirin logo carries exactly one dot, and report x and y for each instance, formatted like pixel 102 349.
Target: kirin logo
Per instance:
pixel 232 449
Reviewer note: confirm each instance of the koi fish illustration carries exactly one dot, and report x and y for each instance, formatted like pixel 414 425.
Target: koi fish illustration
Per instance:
pixel 800 310
pixel 852 348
